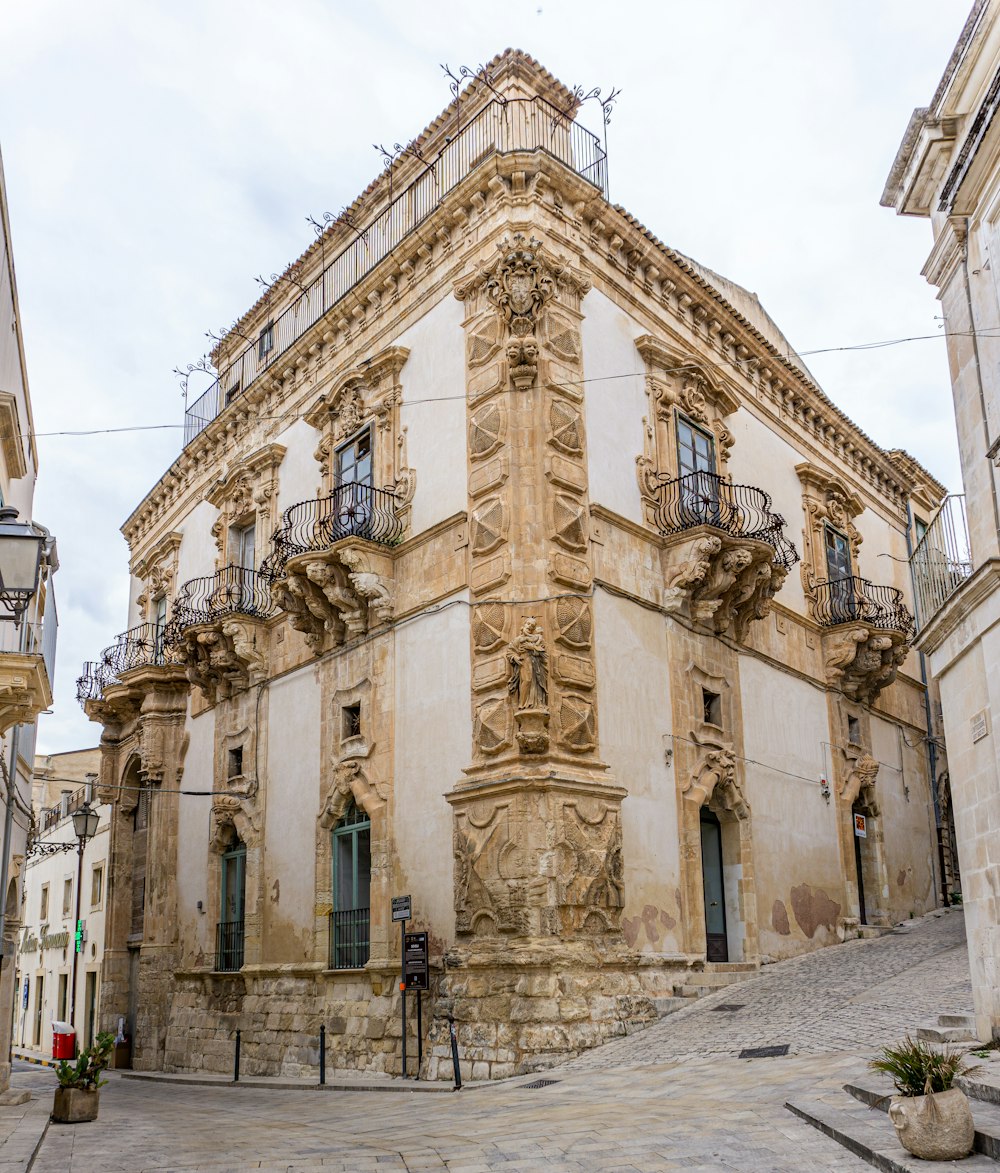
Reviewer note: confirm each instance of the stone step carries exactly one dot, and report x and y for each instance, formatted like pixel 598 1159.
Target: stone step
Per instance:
pixel 984 1085
pixel 869 1135
pixel 966 1020
pixel 712 979
pixel 665 1006
pixel 874 1094
pixel 945 1034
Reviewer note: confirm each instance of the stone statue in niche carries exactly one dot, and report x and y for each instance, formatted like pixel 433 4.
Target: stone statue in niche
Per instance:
pixel 528 682
pixel 528 687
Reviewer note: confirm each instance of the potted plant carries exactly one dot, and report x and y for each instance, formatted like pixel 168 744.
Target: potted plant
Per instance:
pixel 77 1095
pixel 932 1118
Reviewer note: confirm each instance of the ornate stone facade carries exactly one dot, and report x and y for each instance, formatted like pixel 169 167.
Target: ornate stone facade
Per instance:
pixel 527 691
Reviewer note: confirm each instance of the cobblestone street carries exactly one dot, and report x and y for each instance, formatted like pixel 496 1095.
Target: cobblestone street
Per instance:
pixel 669 1098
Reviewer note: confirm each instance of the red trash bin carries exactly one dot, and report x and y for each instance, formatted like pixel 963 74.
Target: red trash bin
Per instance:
pixel 63 1041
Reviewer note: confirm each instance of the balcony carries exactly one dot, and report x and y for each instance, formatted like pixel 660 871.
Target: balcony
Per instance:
pixel 942 560
pixel 726 554
pixel 330 569
pixel 217 629
pixel 141 647
pixel 25 672
pixel 867 634
pixel 229 946
pixel 500 128
pixel 349 938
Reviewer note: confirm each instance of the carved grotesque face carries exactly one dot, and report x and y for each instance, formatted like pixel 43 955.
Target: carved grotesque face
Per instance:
pixel 529 351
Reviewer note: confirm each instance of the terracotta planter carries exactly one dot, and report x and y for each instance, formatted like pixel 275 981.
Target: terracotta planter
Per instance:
pixel 937 1127
pixel 74 1105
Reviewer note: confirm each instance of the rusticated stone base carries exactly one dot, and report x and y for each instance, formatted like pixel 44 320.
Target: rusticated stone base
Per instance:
pixel 517 1009
pixel 527 1008
pixel 279 1012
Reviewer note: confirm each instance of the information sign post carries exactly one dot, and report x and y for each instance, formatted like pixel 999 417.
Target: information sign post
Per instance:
pixel 416 968
pixel 401 912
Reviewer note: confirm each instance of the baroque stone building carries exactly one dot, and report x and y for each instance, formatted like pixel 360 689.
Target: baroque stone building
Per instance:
pixel 946 170
pixel 513 562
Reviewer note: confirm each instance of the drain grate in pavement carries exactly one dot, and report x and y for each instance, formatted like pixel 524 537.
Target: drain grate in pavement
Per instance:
pixel 729 1007
pixel 764 1052
pixel 540 1083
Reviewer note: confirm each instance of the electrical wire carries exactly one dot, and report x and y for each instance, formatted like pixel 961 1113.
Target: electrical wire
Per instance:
pixel 991 332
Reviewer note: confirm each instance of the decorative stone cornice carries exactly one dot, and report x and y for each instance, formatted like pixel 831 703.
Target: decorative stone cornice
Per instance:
pixel 24 688
pixel 10 437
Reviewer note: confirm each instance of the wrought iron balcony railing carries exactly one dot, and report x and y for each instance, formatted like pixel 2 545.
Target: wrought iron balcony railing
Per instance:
pixel 234 590
pixel 229 946
pixel 349 938
pixel 856 600
pixel 942 560
pixel 140 647
pixel 520 124
pixel 704 498
pixel 350 511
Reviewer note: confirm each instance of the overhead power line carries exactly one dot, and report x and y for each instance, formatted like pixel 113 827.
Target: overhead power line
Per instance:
pixel 791 356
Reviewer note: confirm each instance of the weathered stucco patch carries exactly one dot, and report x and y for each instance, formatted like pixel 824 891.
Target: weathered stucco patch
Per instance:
pixel 779 918
pixel 650 920
pixel 813 908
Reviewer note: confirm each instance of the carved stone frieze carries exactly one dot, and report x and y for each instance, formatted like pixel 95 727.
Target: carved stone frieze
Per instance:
pixel 826 499
pixel 678 385
pixel 224 656
pixel 538 865
pixel 337 594
pixel 722 580
pixel 245 494
pixel 370 393
pixel 714 780
pixel 233 816
pixel 862 660
pixel 861 778
pixel 157 569
pixel 348 782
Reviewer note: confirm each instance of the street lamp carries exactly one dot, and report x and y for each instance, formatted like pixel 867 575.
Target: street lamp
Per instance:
pixel 85 822
pixel 20 561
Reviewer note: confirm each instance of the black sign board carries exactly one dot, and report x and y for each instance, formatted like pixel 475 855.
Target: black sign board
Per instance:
pixel 416 966
pixel 401 908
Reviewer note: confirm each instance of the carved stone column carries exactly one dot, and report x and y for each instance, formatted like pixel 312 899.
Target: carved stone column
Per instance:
pixel 537 819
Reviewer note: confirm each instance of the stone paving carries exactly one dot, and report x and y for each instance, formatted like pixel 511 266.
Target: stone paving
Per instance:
pixel 672 1097
pixel 854 996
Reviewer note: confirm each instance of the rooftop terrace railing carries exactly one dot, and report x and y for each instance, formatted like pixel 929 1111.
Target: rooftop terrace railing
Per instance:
pixel 942 560
pixel 520 124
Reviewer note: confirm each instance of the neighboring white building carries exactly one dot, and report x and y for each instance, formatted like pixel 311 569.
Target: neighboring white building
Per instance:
pixel 46 948
pixel 26 665
pixel 947 170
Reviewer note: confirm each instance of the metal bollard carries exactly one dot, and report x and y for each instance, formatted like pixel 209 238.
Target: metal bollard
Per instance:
pixel 322 1054
pixel 454 1054
pixel 236 1065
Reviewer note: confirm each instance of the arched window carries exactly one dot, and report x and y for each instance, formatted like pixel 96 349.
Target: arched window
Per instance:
pixel 352 869
pixel 229 945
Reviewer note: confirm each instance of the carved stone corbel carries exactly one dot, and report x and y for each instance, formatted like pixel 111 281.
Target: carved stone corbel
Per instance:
pixel 722 580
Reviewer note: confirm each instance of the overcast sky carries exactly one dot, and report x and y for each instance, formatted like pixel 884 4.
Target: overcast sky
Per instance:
pixel 160 155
